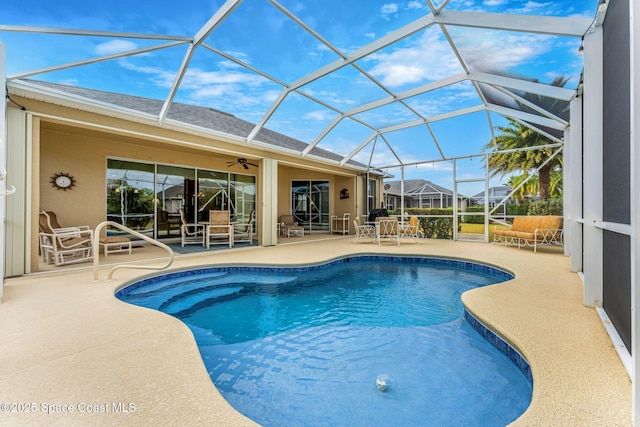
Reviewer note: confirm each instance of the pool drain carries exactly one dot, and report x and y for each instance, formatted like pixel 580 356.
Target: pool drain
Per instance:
pixel 382 382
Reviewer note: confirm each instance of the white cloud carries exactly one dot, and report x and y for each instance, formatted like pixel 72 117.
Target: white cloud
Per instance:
pixel 159 77
pixel 494 2
pixel 388 9
pixel 237 89
pixel 428 59
pixel 270 95
pixel 114 46
pixel 416 4
pixel 531 6
pixel 498 51
pixel 370 35
pixel 319 115
pixel 70 82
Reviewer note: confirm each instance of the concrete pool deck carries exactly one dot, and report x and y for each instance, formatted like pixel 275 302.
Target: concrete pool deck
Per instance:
pixel 68 344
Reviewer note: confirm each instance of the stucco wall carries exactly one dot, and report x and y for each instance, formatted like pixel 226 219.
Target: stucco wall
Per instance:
pixel 287 174
pixel 84 156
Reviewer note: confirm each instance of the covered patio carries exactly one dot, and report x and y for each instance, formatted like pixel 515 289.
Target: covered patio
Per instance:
pixel 572 312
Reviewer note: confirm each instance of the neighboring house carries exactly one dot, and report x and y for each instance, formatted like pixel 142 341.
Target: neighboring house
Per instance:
pixel 495 196
pixel 418 193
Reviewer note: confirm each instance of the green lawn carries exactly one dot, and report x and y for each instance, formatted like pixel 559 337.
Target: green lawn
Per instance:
pixel 472 228
pixel 477 229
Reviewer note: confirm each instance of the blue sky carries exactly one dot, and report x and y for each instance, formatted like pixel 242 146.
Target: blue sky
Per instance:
pixel 265 38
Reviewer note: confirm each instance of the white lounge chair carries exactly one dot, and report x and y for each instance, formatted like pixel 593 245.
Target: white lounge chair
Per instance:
pixel 363 231
pixel 411 229
pixel 387 228
pixel 64 245
pixel 290 227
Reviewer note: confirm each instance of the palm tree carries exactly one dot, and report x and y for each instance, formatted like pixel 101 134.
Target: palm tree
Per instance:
pixel 527 189
pixel 517 136
pixel 531 187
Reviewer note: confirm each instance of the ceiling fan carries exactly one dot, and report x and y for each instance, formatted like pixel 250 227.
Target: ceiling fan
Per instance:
pixel 241 161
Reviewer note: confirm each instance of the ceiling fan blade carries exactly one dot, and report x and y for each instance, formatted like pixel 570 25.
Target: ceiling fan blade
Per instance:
pixel 244 165
pixel 252 164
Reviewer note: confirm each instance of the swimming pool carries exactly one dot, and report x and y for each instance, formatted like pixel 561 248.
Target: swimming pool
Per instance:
pixel 357 341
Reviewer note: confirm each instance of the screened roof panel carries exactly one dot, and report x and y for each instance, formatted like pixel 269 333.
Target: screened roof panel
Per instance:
pixel 417 59
pixel 345 137
pixel 388 69
pixel 287 53
pixel 344 89
pixel 387 115
pixel 414 144
pixel 524 55
pixel 303 127
pixel 453 133
pixel 350 25
pixel 446 99
pixel 213 81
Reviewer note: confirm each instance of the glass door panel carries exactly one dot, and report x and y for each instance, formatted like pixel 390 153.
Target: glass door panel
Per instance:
pixel 242 192
pixel 213 193
pixel 175 190
pixel 130 196
pixel 320 206
pixel 310 204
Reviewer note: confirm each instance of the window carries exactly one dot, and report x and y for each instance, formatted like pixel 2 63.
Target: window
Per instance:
pixel 371 195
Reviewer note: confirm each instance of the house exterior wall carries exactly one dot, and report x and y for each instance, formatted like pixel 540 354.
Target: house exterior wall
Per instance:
pixel 77 142
pixel 338 206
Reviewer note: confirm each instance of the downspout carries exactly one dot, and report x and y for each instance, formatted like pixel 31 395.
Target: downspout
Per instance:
pixel 3 138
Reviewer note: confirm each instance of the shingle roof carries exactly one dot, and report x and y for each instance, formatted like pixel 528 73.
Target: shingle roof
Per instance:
pixel 203 117
pixel 417 187
pixel 497 191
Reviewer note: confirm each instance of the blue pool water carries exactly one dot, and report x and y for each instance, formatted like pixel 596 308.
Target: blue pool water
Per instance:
pixel 305 347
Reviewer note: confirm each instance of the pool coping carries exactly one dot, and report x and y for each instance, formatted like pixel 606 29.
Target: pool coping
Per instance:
pixel 462 264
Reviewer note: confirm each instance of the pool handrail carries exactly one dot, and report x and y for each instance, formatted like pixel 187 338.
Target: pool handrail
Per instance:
pixel 96 250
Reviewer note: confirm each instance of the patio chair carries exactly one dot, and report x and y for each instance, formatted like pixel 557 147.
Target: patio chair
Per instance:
pixel 168 222
pixel 243 232
pixel 363 231
pixel 387 228
pixel 64 245
pixel 289 227
pixel 219 229
pixel 191 232
pixel 411 229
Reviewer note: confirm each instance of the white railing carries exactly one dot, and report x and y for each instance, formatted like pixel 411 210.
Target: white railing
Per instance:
pixel 96 250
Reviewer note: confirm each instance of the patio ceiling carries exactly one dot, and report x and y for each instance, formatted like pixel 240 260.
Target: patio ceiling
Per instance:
pixel 432 86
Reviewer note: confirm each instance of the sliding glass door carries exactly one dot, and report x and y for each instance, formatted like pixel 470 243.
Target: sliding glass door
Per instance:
pixel 148 197
pixel 310 204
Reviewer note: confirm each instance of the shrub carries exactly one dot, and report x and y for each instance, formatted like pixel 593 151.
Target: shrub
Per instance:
pixel 518 209
pixel 473 219
pixel 435 228
pixel 546 207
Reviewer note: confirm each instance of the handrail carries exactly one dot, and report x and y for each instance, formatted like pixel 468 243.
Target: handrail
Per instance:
pixel 96 250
